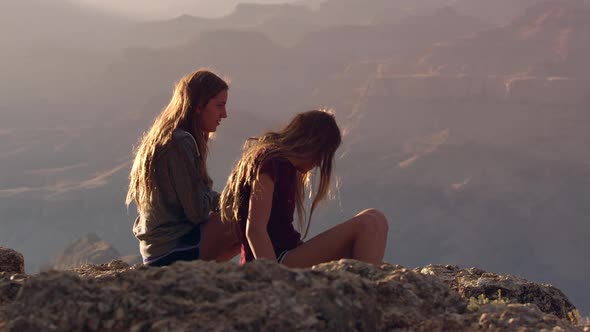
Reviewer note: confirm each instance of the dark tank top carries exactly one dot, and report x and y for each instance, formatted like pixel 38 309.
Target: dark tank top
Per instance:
pixel 280 225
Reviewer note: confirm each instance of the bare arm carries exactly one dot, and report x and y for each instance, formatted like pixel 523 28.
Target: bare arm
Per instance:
pixel 258 216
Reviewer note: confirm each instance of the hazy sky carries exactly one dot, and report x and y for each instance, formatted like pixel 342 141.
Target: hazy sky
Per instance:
pixel 154 9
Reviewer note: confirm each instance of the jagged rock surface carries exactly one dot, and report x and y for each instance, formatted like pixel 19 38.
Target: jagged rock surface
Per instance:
pixel 194 296
pixel 261 296
pixel 11 261
pixel 10 284
pixel 473 282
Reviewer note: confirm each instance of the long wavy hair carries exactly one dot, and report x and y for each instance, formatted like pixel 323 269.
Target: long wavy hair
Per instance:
pixel 193 91
pixel 313 135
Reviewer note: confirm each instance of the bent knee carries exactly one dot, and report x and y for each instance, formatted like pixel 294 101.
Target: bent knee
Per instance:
pixel 374 220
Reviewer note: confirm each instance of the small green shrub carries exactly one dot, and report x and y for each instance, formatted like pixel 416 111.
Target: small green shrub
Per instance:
pixel 475 303
pixel 575 318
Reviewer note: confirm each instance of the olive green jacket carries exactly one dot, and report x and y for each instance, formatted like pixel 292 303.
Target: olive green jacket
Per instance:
pixel 184 198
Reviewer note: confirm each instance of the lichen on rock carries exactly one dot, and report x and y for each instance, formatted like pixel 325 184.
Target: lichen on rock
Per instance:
pixel 473 282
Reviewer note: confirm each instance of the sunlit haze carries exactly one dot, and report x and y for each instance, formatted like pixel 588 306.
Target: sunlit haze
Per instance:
pixel 158 9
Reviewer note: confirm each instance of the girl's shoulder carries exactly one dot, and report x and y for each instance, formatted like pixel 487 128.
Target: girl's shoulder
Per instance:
pixel 275 166
pixel 184 139
pixel 181 143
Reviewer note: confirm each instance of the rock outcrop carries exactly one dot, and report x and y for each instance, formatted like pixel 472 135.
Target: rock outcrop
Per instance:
pixel 89 249
pixel 262 296
pixel 473 282
pixel 11 261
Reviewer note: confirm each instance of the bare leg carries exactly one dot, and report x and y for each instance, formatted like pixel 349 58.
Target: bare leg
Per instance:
pixel 363 238
pixel 218 241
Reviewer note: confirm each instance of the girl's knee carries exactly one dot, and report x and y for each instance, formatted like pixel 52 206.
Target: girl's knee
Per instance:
pixel 374 221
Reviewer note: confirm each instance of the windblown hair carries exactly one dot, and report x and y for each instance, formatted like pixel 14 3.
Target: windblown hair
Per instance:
pixel 313 135
pixel 193 91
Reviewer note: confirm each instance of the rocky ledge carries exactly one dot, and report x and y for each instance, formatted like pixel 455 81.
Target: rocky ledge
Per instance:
pixel 11 261
pixel 342 295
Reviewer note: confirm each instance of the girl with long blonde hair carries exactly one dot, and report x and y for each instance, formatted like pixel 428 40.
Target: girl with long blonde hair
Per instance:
pixel 169 182
pixel 268 184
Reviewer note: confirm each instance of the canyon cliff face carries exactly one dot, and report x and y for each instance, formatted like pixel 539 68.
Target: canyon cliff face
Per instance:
pixel 340 295
pixel 529 89
pixel 547 40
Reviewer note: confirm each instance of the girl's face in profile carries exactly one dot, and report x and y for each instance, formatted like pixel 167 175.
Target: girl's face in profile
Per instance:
pixel 210 116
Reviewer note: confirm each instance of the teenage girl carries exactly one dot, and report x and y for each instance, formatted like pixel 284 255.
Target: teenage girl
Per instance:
pixel 169 181
pixel 268 184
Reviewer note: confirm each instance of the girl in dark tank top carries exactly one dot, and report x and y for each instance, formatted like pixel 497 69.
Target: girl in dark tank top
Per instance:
pixel 268 184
